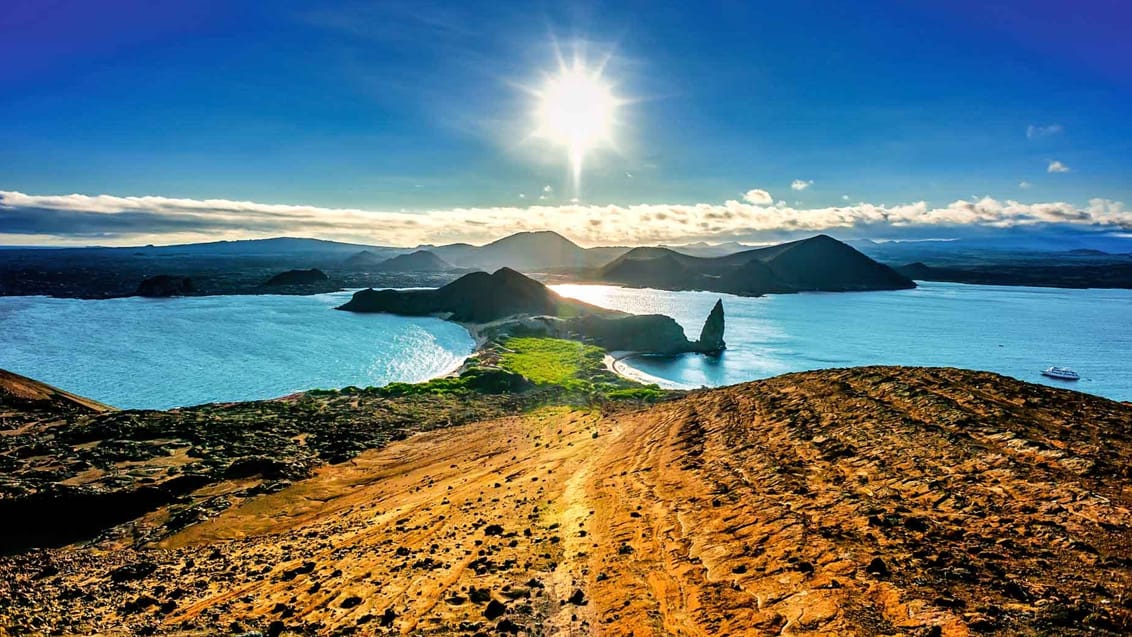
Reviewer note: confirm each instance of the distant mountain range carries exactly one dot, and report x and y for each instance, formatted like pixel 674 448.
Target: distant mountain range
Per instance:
pixel 527 252
pixel 704 249
pixel 820 263
pixel 996 249
pixel 419 261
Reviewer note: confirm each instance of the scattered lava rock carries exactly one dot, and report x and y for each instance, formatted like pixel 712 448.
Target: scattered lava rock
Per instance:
pixel 878 568
pixel 494 609
pixel 387 617
pixel 135 571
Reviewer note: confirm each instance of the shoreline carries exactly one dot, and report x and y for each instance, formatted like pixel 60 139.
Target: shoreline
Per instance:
pixel 613 362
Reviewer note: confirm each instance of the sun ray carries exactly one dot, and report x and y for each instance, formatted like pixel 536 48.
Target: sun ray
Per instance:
pixel 577 110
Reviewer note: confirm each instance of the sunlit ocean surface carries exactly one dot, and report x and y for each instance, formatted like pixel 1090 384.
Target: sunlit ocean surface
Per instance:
pixel 1014 331
pixel 160 353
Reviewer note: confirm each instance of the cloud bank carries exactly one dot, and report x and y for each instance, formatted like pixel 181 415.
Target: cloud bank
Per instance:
pixel 112 220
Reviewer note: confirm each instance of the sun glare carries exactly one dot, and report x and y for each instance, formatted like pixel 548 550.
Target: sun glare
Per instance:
pixel 576 111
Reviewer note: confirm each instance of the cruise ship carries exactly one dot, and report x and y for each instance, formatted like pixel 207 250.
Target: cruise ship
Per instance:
pixel 1061 373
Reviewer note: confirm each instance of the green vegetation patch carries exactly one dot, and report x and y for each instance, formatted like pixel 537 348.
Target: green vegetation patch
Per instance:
pixel 485 380
pixel 560 370
pixel 553 361
pixel 647 393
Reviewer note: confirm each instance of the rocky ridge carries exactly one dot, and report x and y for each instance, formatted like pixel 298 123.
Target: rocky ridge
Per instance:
pixel 862 501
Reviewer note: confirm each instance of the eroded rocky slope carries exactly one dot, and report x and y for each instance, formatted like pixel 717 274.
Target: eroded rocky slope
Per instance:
pixel 863 501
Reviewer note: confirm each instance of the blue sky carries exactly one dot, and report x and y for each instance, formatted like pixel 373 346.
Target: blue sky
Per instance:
pixel 418 106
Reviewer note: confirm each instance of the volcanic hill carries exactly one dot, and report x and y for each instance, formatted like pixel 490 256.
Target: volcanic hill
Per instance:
pixel 419 261
pixel 817 264
pixel 298 277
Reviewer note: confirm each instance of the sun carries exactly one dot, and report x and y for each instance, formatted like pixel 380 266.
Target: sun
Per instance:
pixel 576 111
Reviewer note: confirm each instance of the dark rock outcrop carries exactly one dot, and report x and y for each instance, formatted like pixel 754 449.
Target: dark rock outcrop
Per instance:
pixel 164 285
pixel 652 333
pixel 819 263
pixel 477 297
pixel 711 336
pixel 298 277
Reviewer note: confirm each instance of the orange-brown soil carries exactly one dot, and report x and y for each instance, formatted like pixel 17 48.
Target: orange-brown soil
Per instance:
pixel 842 502
pixel 22 397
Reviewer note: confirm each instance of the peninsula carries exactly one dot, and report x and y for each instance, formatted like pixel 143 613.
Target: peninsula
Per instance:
pixel 507 302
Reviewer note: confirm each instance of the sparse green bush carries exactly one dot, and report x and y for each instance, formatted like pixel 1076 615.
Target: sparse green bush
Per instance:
pixel 647 393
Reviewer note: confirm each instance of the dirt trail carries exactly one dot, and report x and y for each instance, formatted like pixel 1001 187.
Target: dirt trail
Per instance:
pixel 837 503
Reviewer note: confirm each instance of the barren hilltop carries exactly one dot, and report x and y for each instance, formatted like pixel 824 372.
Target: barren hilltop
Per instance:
pixel 862 501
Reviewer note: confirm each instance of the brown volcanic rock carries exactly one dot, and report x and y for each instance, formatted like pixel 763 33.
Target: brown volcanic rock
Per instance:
pixel 863 501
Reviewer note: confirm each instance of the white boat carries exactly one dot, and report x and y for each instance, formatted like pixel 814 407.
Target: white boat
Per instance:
pixel 1062 373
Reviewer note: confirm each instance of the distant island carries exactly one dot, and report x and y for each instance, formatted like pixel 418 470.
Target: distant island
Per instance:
pixel 1107 274
pixel 507 301
pixel 817 264
pixel 298 277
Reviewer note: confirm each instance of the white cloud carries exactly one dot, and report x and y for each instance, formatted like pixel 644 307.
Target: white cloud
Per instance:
pixel 547 189
pixel 1057 167
pixel 522 196
pixel 798 184
pixel 758 197
pixel 1024 185
pixel 113 220
pixel 844 197
pixel 1035 132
